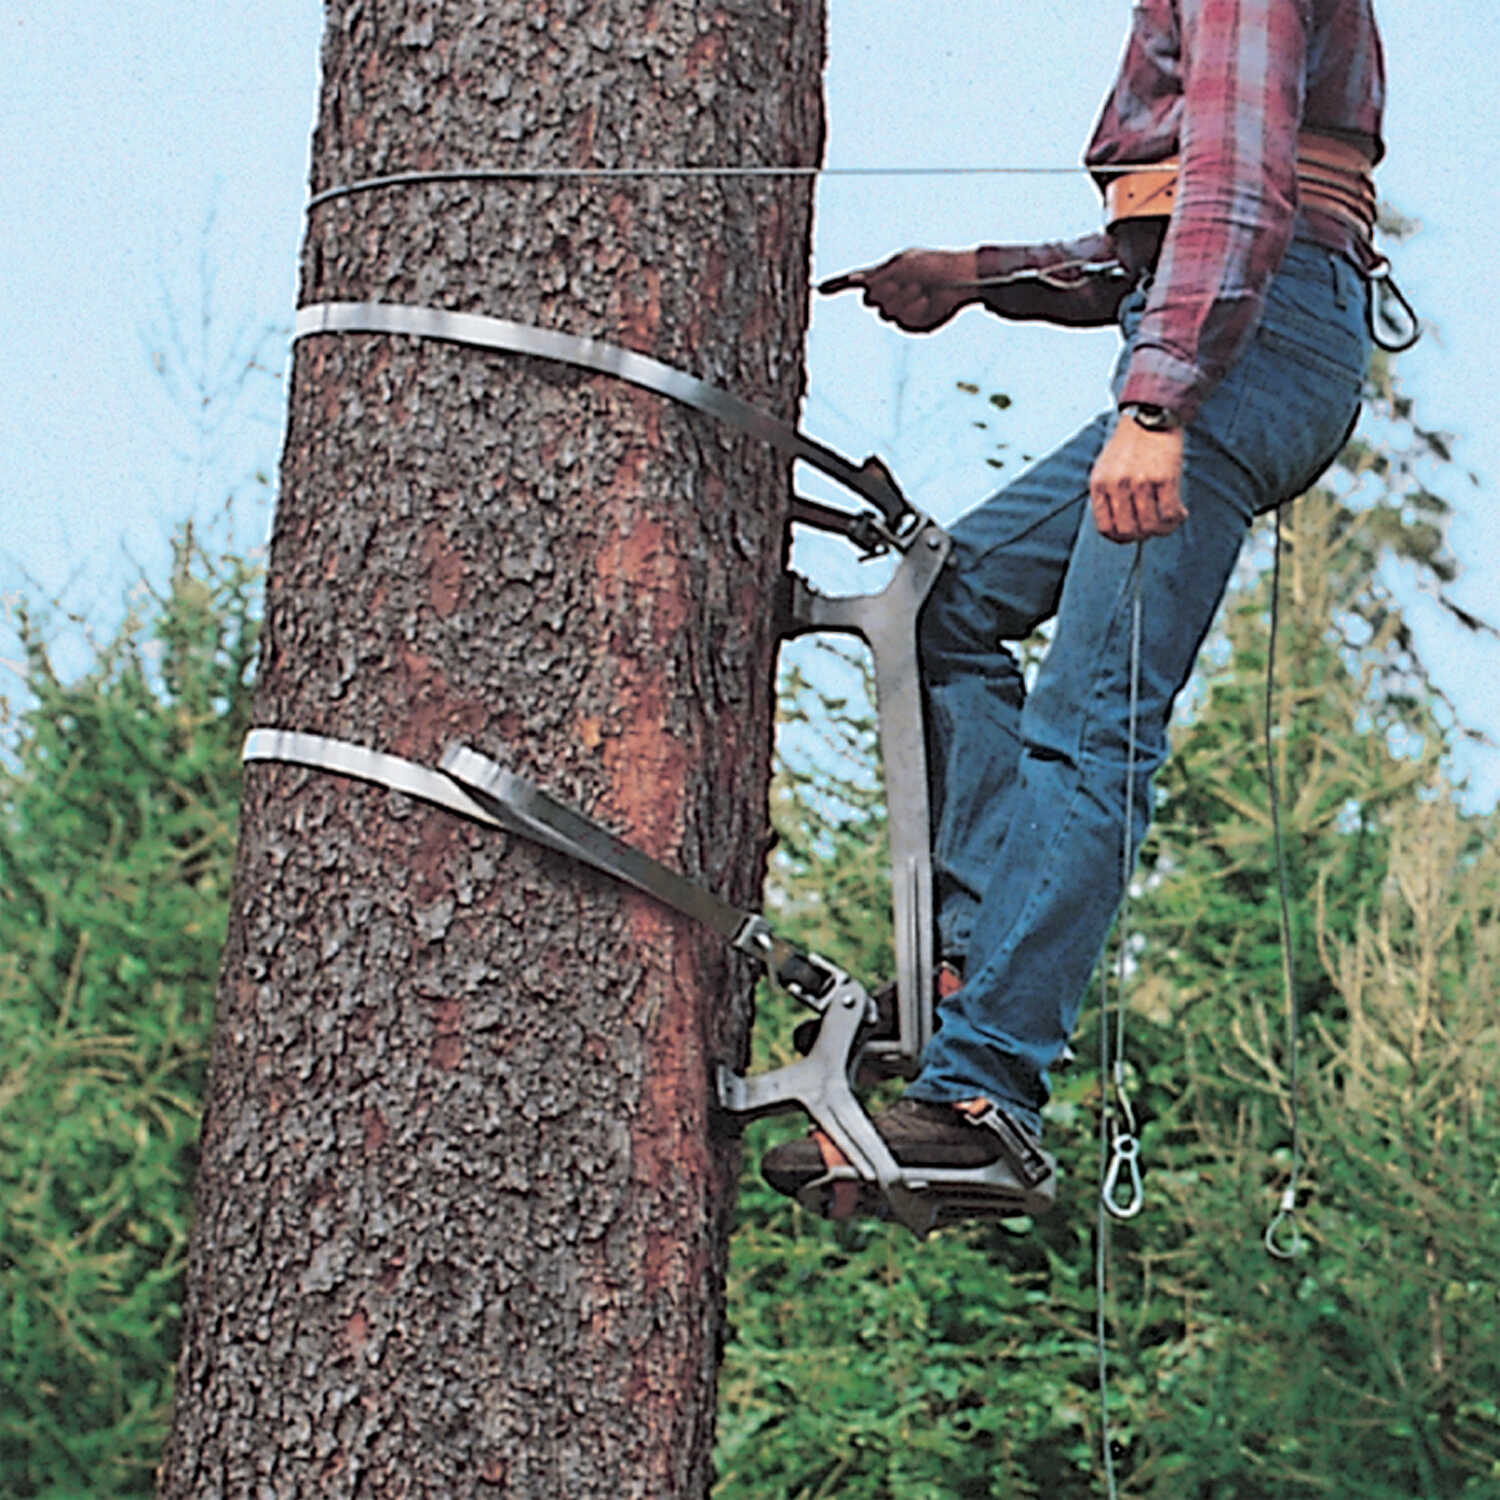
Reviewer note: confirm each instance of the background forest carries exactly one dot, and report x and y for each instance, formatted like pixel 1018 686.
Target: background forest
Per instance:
pixel 862 1364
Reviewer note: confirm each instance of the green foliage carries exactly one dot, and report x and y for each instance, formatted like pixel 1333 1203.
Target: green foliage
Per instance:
pixel 118 807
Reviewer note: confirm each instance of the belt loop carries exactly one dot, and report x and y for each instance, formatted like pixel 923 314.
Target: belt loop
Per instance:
pixel 1351 286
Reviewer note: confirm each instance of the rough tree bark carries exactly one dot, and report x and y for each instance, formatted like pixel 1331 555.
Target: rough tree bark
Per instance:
pixel 462 1221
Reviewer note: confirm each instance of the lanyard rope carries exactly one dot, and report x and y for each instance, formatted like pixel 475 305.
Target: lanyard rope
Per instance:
pixel 1119 1148
pixel 1283 1238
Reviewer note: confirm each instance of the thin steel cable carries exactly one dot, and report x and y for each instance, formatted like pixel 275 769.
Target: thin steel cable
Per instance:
pixel 1128 843
pixel 539 174
pixel 1101 1326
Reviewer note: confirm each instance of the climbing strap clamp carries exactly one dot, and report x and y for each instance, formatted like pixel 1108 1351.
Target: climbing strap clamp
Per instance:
pixel 1032 1164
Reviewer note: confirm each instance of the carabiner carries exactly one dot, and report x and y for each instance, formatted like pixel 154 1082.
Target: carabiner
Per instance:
pixel 1125 1157
pixel 1286 1219
pixel 1393 333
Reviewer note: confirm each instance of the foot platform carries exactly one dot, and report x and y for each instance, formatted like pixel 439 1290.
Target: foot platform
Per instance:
pixel 924 1165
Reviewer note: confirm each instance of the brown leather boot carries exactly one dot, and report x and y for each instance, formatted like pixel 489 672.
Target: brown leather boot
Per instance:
pixel 919 1135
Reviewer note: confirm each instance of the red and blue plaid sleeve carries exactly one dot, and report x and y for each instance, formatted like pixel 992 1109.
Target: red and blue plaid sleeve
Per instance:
pixel 1243 69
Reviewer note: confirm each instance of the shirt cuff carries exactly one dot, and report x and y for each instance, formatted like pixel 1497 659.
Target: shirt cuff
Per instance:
pixel 1157 378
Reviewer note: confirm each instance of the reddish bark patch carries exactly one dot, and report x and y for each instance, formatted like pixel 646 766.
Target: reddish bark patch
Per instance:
pixel 332 403
pixel 447 1023
pixel 639 560
pixel 647 767
pixel 428 712
pixel 429 858
pixel 710 295
pixel 446 573
pixel 640 315
pixel 377 1132
pixel 622 211
pixel 707 52
pixel 674 1174
pixel 447 1053
pixel 357 1331
pixel 588 121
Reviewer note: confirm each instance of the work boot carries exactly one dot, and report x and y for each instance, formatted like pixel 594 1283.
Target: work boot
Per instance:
pixel 919 1134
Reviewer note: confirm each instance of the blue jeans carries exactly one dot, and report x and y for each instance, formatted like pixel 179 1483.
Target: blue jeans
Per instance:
pixel 1029 788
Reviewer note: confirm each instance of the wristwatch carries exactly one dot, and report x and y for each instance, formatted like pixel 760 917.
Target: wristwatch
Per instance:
pixel 1152 417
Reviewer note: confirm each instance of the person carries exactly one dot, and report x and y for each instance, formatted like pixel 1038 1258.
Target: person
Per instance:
pixel 1235 153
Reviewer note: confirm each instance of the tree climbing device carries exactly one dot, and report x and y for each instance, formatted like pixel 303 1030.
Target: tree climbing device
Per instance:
pixel 852 1035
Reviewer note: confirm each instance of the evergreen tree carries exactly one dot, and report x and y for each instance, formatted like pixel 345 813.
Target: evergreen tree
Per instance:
pixel 461 1217
pixel 118 804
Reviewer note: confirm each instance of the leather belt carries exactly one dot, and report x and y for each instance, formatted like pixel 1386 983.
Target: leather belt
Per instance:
pixel 1334 178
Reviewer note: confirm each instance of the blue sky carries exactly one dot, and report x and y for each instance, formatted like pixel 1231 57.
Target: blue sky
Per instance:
pixel 158 150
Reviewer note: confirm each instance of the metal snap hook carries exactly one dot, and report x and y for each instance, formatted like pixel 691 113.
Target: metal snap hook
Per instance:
pixel 1394 324
pixel 1125 1161
pixel 1284 1238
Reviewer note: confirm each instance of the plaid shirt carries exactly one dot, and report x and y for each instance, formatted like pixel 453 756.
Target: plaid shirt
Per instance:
pixel 1226 85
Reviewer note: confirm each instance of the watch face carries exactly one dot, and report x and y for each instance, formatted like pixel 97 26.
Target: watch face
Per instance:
pixel 1153 418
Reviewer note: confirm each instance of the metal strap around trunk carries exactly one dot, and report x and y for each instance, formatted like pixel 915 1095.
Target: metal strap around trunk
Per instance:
pixel 319 752
pixel 478 788
pixel 871 481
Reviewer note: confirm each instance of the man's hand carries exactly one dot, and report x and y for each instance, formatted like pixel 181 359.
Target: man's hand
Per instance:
pixel 1136 485
pixel 917 290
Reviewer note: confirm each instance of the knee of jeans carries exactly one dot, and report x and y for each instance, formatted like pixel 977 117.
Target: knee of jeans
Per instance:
pixel 957 621
pixel 1108 743
pixel 1088 722
pixel 941 625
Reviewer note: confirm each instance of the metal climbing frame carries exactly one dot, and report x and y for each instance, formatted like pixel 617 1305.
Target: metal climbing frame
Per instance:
pixel 850 1032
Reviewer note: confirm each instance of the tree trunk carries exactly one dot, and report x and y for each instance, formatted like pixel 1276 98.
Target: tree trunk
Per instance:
pixel 461 1220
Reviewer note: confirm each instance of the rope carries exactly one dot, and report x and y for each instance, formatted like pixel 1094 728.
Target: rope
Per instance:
pixel 1101 1331
pixel 1283 1237
pixel 1127 853
pixel 1117 1146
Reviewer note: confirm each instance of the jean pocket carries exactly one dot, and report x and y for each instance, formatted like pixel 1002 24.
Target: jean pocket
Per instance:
pixel 1290 416
pixel 1286 408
